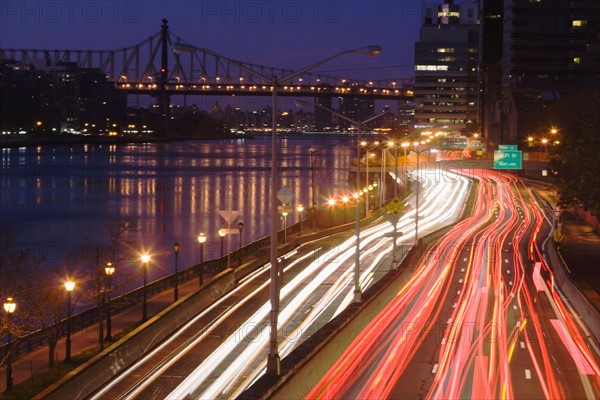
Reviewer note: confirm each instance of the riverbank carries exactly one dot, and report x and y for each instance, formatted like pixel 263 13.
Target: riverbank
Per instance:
pixel 59 140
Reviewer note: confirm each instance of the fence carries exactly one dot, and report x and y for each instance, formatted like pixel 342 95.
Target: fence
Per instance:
pixel 89 317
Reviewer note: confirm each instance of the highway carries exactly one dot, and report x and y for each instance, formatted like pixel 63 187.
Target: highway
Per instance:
pixel 224 348
pixel 479 319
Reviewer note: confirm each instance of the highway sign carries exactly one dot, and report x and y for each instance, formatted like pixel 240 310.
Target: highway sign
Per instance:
pixel 454 143
pixel 507 159
pixel 507 147
pixel 285 195
pixel 395 206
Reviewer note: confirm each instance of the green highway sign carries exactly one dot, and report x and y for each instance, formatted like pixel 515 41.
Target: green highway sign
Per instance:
pixel 507 147
pixel 454 143
pixel 507 159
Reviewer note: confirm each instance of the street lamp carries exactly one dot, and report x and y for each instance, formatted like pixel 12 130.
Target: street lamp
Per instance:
pixel 240 228
pixel 109 270
pixel 273 361
pixel 300 208
pixel 331 203
pixel 284 214
pixel 145 259
pixel 9 307
pixel 202 240
pixel 222 234
pixel 69 286
pixel 176 247
pixel 345 201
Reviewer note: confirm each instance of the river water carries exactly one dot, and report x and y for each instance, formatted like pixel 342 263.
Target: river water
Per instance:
pixel 57 200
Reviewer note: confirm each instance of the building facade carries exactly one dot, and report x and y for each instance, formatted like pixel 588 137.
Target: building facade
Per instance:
pixel 551 49
pixel 446 87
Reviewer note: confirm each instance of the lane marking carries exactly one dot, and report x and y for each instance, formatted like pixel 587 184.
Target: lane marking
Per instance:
pixel 434 369
pixel 527 374
pixel 522 345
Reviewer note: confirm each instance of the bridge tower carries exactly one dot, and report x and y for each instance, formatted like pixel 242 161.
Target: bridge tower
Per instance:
pixel 164 100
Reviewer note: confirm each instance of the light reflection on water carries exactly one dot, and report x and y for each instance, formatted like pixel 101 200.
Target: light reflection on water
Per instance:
pixel 60 198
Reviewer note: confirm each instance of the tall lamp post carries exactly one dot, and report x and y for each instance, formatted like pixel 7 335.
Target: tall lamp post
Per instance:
pixel 202 240
pixel 240 228
pixel 145 259
pixel 176 247
pixel 273 360
pixel 300 208
pixel 9 307
pixel 109 270
pixel 69 286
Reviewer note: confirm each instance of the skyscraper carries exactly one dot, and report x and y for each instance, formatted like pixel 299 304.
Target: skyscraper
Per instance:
pixel 550 49
pixel 446 67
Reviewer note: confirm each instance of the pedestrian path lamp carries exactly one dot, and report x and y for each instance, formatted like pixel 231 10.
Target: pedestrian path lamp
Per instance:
pixel 9 307
pixel 300 208
pixel 109 270
pixel 222 234
pixel 201 240
pixel 240 228
pixel 145 259
pixel 176 247
pixel 331 203
pixel 69 286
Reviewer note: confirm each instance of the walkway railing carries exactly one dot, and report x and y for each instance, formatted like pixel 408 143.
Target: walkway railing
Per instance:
pixel 86 318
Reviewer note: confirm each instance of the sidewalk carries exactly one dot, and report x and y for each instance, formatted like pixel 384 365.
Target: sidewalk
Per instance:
pixel 36 361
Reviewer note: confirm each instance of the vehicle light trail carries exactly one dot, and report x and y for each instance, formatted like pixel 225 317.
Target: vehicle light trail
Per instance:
pixel 481 310
pixel 317 286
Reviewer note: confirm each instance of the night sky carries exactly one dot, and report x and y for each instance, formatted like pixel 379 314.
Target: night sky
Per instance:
pixel 289 34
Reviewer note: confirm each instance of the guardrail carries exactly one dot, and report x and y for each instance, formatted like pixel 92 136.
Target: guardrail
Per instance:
pixel 81 320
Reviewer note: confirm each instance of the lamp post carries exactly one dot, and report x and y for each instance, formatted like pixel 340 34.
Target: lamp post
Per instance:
pixel 313 188
pixel 345 201
pixel 273 360
pixel 176 247
pixel 109 270
pixel 202 240
pixel 9 307
pixel 222 234
pixel 240 228
pixel 284 214
pixel 331 203
pixel 416 144
pixel 145 259
pixel 69 286
pixel 300 208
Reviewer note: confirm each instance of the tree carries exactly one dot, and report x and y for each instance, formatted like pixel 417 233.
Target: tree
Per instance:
pixel 576 159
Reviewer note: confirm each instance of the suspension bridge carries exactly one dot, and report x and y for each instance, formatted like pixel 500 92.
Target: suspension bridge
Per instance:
pixel 165 63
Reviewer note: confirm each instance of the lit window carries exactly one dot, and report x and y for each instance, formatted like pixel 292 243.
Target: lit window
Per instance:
pixel 431 68
pixel 579 22
pixel 576 60
pixel 445 50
